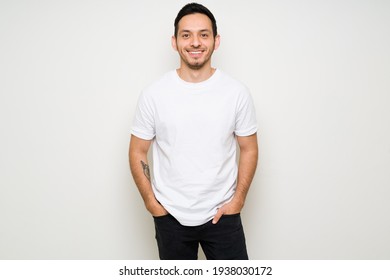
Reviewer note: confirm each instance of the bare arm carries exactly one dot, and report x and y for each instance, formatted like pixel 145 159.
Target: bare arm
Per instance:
pixel 246 171
pixel 140 170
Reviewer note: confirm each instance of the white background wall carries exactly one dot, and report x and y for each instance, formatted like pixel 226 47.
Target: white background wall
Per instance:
pixel 71 72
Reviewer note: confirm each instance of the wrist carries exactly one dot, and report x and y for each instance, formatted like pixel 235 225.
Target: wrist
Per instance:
pixel 151 204
pixel 238 202
pixel 156 209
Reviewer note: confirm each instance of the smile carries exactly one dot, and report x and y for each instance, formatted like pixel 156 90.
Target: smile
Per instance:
pixel 195 54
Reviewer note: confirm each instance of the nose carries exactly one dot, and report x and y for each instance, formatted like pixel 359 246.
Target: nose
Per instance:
pixel 195 42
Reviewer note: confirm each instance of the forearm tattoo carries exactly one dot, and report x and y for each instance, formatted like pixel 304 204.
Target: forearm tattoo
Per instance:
pixel 145 167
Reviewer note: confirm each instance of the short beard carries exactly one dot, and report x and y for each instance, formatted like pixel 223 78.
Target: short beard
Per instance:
pixel 196 66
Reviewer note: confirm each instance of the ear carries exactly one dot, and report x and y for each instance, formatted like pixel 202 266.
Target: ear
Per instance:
pixel 173 42
pixel 217 42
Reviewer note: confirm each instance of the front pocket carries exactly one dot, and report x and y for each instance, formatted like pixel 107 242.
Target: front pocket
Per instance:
pixel 161 217
pixel 231 215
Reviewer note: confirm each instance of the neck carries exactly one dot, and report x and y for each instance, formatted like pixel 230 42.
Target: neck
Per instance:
pixel 195 75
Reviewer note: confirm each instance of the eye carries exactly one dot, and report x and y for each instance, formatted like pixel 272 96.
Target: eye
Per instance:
pixel 204 35
pixel 185 35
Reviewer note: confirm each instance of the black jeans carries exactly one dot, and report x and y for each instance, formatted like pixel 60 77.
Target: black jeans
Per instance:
pixel 222 241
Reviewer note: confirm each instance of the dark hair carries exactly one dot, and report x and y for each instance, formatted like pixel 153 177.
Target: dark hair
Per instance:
pixel 195 8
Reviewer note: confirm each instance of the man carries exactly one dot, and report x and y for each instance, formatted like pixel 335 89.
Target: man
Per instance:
pixel 194 116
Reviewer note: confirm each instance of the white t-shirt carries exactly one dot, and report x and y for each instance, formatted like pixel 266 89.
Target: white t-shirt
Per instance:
pixel 193 127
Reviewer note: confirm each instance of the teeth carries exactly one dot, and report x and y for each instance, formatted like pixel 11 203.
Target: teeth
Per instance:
pixel 196 52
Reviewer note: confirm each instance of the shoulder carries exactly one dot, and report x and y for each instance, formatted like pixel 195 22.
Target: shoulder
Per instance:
pixel 233 84
pixel 163 82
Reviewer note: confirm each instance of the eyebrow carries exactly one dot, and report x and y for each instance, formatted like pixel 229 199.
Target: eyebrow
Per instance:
pixel 189 31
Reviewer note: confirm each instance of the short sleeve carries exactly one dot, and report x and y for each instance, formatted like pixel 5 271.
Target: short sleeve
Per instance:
pixel 143 123
pixel 246 123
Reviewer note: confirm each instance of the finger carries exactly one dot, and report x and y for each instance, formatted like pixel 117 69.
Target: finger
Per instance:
pixel 217 216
